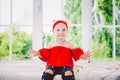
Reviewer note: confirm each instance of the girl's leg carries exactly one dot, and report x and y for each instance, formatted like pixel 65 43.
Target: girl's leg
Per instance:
pixel 67 73
pixel 48 74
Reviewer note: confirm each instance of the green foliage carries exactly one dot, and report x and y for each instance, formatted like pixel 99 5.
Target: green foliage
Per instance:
pixel 105 35
pixel 102 12
pixel 72 11
pixel 46 38
pixel 118 43
pixel 101 52
pixel 21 42
pixel 4 44
pixel 106 7
pixel 117 2
pixel 74 36
pixel 102 44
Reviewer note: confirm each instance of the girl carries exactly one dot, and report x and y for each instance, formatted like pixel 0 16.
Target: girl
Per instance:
pixel 59 54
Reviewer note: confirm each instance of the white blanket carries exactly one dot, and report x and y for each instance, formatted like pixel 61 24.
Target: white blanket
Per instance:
pixel 30 70
pixel 98 71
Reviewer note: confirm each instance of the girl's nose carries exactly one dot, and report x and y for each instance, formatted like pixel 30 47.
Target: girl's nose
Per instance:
pixel 61 31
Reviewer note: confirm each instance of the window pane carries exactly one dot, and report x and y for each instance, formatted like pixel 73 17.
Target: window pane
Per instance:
pixel 117 12
pixel 73 11
pixel 22 41
pixel 102 44
pixel 5 11
pixel 118 43
pixel 4 43
pixel 52 10
pixel 47 35
pixel 22 12
pixel 74 35
pixel 102 12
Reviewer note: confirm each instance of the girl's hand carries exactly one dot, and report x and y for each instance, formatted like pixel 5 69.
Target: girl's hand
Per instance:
pixel 86 55
pixel 34 53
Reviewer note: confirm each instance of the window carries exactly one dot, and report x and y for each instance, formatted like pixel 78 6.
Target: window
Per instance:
pixel 15 28
pixel 105 22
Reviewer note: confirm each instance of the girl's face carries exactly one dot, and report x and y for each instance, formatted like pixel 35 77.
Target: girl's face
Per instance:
pixel 60 31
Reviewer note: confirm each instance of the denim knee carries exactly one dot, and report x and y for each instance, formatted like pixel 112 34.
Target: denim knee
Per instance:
pixel 68 77
pixel 47 76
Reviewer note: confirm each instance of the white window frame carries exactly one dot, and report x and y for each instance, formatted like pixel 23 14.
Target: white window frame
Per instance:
pixel 87 26
pixel 10 29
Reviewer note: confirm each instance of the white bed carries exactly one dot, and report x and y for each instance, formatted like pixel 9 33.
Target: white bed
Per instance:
pixel 98 71
pixel 20 70
pixel 31 70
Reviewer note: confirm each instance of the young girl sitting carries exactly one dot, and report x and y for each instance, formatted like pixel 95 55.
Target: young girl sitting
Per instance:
pixel 59 54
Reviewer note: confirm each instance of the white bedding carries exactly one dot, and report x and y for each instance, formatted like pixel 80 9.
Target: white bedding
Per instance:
pixel 98 71
pixel 30 70
pixel 20 70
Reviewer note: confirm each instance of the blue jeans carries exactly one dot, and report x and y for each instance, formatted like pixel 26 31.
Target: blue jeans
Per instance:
pixel 58 70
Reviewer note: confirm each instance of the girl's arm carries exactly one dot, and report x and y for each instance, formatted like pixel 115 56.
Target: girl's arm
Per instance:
pixel 34 53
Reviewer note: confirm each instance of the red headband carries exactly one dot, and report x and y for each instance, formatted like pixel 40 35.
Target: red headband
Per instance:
pixel 60 21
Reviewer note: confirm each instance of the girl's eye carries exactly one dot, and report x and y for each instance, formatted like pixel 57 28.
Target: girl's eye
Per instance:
pixel 63 30
pixel 58 29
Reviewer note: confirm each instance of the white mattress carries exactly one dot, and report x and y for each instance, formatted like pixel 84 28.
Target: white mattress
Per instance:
pixel 20 70
pixel 30 70
pixel 98 71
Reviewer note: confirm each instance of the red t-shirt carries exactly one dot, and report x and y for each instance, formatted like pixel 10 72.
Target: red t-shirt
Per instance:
pixel 59 56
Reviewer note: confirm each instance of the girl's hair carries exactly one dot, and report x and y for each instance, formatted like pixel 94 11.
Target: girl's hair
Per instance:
pixel 60 21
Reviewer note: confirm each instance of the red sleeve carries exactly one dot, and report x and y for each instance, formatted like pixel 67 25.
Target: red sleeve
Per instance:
pixel 44 53
pixel 76 53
